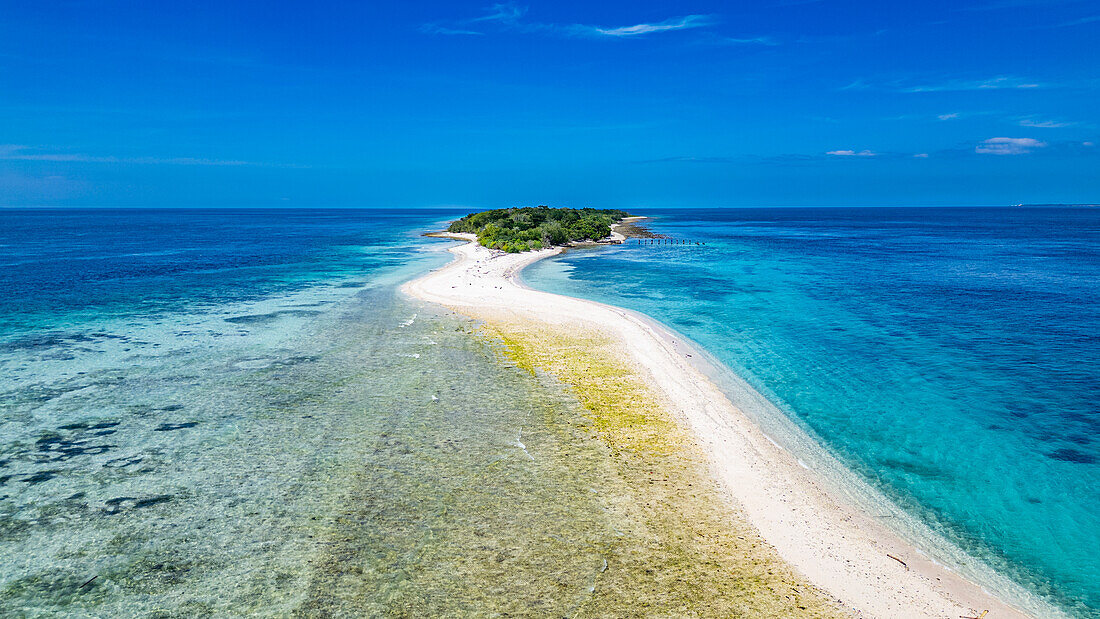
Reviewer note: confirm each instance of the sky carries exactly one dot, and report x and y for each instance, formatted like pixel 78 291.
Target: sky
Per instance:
pixel 615 104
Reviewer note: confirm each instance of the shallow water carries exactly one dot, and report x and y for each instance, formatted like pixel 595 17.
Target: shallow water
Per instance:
pixel 349 467
pixel 225 413
pixel 169 435
pixel 948 356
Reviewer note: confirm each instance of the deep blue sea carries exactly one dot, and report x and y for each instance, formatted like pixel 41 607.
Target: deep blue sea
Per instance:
pixel 949 356
pixel 219 411
pixel 60 265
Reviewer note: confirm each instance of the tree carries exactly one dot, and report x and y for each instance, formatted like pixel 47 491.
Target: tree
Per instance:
pixel 520 229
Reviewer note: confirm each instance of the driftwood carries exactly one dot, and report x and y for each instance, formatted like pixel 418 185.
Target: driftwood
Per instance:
pixel 899 561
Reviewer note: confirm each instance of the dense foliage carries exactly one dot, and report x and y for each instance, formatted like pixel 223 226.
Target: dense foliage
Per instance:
pixel 521 229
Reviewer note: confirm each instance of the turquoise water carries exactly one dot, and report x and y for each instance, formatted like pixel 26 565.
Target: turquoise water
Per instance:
pixel 234 412
pixel 229 413
pixel 221 412
pixel 949 356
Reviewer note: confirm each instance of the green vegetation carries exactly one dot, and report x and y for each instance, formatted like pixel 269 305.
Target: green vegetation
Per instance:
pixel 534 227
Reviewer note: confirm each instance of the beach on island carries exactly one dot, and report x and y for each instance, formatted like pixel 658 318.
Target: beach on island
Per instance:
pixel 849 558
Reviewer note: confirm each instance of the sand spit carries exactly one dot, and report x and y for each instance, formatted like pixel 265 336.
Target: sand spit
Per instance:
pixel 835 545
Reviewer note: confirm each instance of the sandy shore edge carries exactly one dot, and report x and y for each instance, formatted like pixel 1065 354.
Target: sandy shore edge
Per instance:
pixel 834 544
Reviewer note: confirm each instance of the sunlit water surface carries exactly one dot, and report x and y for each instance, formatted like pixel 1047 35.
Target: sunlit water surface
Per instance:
pixel 234 412
pixel 949 356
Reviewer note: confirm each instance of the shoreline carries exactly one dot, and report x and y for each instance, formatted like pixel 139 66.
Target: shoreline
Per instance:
pixel 835 544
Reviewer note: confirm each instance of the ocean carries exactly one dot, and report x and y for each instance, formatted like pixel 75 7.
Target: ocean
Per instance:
pixel 235 411
pixel 948 356
pixel 231 412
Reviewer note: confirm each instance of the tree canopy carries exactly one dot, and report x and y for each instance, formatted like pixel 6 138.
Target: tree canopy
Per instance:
pixel 520 229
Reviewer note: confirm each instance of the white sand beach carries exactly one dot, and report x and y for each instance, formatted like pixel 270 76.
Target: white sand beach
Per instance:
pixel 833 544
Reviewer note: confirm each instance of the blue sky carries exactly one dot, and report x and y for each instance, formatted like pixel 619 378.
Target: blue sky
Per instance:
pixel 620 104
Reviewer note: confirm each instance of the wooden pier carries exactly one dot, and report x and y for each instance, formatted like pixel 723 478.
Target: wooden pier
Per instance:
pixel 667 241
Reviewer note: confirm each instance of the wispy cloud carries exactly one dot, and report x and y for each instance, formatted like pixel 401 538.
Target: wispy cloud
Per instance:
pixel 851 153
pixel 675 23
pixel 1001 82
pixel 718 41
pixel 510 16
pixel 506 12
pixel 960 115
pixel 1008 146
pixel 1009 4
pixel 750 41
pixel 17 188
pixel 689 160
pixel 1043 124
pixel 1079 22
pixel 786 158
pixel 991 146
pixel 16 152
pixel 437 29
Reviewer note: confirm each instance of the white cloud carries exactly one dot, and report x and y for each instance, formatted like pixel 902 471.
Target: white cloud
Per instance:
pixel 1079 22
pixel 686 159
pixel 675 23
pixel 713 39
pixel 1008 146
pixel 749 41
pixel 509 16
pixel 857 85
pixel 921 155
pixel 851 153
pixel 437 29
pixel 1005 82
pixel 504 12
pixel 1042 124
pixel 951 116
pixel 13 152
pixel 1009 4
pixel 996 83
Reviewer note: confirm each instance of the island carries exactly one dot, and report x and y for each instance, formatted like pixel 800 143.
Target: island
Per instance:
pixel 723 520
pixel 520 229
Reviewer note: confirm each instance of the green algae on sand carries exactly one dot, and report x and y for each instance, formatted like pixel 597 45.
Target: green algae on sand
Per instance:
pixel 528 493
pixel 684 550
